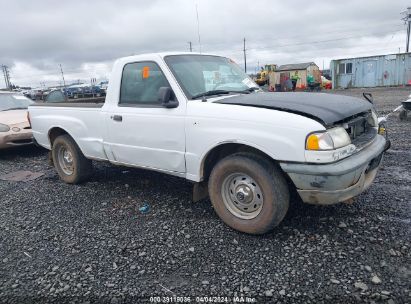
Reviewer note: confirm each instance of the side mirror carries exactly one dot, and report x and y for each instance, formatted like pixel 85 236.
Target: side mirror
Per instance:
pixel 164 96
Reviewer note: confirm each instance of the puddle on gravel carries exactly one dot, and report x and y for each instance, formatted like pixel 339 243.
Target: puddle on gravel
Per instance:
pixel 21 176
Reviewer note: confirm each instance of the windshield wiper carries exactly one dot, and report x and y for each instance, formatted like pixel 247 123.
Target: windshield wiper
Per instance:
pixel 210 93
pixel 252 89
pixel 218 92
pixel 249 90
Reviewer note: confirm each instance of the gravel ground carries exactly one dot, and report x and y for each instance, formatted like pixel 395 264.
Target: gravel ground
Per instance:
pixel 90 243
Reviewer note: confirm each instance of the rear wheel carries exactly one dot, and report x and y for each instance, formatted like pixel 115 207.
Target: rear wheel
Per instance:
pixel 71 165
pixel 248 193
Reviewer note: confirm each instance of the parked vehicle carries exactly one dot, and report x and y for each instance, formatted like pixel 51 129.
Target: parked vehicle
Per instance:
pixel 83 91
pixel 37 93
pixel 74 91
pixel 246 148
pixel 58 96
pixel 27 93
pixel 91 91
pixel 103 85
pixel 263 75
pixel 406 107
pixel 402 111
pixel 15 129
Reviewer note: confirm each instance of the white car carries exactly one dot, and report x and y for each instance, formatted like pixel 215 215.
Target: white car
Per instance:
pixel 15 129
pixel 200 117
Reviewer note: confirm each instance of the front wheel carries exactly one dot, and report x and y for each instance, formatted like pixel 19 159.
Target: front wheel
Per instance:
pixel 248 193
pixel 71 165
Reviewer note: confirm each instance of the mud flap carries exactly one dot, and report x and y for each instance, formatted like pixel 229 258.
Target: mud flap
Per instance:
pixel 200 191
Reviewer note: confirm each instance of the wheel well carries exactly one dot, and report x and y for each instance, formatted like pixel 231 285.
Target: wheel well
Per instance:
pixel 54 133
pixel 224 150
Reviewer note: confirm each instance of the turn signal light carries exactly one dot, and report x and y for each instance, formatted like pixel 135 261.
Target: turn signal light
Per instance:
pixel 312 142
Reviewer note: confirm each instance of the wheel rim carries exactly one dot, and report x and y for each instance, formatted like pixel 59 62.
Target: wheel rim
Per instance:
pixel 65 160
pixel 242 195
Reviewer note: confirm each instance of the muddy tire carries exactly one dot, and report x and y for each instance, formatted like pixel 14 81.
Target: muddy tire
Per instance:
pixel 249 193
pixel 71 165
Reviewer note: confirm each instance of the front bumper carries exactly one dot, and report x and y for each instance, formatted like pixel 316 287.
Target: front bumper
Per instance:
pixel 14 139
pixel 326 184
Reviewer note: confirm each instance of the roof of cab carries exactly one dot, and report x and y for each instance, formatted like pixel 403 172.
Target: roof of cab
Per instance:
pixel 148 56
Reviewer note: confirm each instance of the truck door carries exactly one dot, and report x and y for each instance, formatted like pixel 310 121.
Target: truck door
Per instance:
pixel 140 131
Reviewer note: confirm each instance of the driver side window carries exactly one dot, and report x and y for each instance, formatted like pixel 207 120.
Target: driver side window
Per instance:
pixel 140 84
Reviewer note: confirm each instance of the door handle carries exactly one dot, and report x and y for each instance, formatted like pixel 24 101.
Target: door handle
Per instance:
pixel 116 117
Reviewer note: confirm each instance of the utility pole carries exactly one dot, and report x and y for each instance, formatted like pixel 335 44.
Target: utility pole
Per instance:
pixel 408 27
pixel 62 75
pixel 191 47
pixel 6 70
pixel 6 74
pixel 245 58
pixel 407 20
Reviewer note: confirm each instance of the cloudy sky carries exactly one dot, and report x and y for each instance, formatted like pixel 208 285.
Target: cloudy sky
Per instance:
pixel 86 36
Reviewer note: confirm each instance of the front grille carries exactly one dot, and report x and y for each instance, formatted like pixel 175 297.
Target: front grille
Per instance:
pixel 359 129
pixel 365 138
pixel 356 127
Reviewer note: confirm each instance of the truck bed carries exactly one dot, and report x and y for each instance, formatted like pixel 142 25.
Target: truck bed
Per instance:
pixel 69 104
pixel 96 102
pixel 83 121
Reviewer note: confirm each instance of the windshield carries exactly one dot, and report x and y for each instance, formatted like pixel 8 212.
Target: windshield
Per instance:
pixel 13 102
pixel 198 74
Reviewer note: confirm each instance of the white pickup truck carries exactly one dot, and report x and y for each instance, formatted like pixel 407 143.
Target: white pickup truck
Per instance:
pixel 202 118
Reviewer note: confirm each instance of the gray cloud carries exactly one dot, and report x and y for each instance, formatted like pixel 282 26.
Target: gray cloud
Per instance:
pixel 85 37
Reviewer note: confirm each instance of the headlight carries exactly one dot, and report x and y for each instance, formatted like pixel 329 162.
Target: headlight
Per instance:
pixel 4 128
pixel 373 119
pixel 381 130
pixel 329 140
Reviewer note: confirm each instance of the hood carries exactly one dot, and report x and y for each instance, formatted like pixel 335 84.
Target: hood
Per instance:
pixel 325 108
pixel 13 117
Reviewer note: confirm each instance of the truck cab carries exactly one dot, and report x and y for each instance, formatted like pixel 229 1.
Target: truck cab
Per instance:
pixel 200 117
